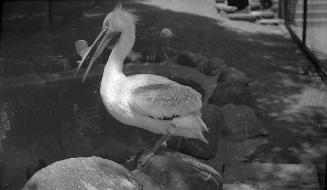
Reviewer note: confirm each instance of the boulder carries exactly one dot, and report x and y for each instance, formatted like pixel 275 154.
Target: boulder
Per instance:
pixel 226 93
pixel 212 67
pixel 145 180
pixel 232 75
pixel 209 67
pixel 240 123
pixel 234 152
pixel 167 170
pixel 83 173
pixel 177 171
pixel 191 59
pixel 232 87
pixel 245 98
pixel 213 118
pixel 242 134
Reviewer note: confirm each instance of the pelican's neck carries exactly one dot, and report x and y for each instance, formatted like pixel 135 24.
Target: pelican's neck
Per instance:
pixel 114 66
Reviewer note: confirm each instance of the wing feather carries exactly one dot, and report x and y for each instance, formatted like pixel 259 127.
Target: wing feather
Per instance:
pixel 167 100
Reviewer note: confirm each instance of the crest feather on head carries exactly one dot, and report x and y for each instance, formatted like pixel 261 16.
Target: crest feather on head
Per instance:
pixel 127 13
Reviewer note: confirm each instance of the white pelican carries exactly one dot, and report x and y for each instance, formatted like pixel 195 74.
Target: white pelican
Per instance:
pixel 165 35
pixel 147 101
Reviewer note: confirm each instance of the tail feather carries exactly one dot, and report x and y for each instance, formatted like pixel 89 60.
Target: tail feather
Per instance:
pixel 202 124
pixel 202 138
pixel 190 126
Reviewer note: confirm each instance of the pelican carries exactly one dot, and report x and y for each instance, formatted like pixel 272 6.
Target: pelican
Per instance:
pixel 159 53
pixel 147 101
pixel 165 35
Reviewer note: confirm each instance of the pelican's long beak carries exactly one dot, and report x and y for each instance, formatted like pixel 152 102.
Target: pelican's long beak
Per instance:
pixel 105 38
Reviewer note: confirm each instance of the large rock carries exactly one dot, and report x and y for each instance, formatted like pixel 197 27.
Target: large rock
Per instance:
pixel 212 67
pixel 191 59
pixel 176 171
pixel 213 118
pixel 235 152
pixel 242 134
pixel 167 170
pixel 232 87
pixel 209 67
pixel 226 93
pixel 240 123
pixel 231 75
pixel 83 173
pixel 145 180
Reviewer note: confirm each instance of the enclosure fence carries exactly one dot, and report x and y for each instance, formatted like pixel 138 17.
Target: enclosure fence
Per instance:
pixel 307 22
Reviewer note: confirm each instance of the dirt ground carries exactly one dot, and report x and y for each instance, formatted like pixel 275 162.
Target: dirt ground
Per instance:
pixel 292 107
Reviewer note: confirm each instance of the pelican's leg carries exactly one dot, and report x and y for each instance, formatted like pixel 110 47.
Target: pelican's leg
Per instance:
pixel 144 159
pixel 166 50
pixel 168 44
pixel 160 142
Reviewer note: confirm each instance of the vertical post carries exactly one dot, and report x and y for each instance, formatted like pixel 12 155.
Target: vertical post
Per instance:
pixel 305 11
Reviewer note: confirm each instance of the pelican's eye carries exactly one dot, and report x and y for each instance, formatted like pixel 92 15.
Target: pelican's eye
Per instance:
pixel 106 22
pixel 106 25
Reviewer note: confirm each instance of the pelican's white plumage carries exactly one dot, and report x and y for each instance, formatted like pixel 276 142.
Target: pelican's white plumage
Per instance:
pixel 147 101
pixel 155 103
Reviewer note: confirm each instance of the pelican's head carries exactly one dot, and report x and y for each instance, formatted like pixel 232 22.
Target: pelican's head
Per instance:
pixel 117 21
